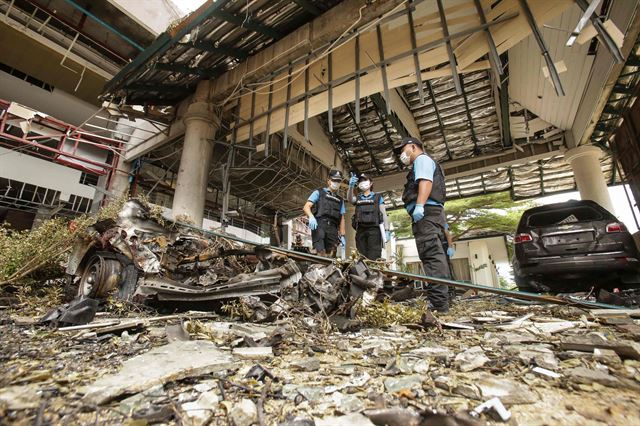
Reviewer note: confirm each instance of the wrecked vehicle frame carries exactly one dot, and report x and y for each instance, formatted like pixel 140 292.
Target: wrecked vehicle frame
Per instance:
pixel 137 257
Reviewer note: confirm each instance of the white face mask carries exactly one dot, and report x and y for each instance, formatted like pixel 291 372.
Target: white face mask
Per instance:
pixel 406 160
pixel 334 185
pixel 364 185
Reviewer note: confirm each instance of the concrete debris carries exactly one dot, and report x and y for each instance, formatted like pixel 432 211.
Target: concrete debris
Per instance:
pixel 591 341
pixel 244 413
pixel 413 381
pixel 471 359
pixel 200 411
pixel 307 364
pixel 258 352
pixel 163 364
pixel 509 391
pixel 589 376
pixel 21 397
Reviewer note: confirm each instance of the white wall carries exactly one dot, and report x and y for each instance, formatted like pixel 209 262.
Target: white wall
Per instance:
pixel 483 248
pixel 43 173
pixel 154 15
pixel 58 104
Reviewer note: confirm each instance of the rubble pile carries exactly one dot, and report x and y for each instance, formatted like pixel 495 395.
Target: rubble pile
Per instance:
pixel 255 337
pixel 486 361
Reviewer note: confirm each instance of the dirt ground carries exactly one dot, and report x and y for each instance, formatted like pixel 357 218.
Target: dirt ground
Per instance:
pixel 398 374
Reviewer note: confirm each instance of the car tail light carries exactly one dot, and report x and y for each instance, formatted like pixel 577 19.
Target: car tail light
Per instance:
pixel 522 238
pixel 616 227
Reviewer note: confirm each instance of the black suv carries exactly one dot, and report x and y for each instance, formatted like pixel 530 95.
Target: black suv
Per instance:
pixel 573 246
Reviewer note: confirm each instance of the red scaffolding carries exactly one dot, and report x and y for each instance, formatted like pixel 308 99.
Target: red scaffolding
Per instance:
pixel 31 132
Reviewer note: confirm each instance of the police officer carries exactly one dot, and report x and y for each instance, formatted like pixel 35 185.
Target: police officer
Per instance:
pixel 370 214
pixel 325 210
pixel 423 197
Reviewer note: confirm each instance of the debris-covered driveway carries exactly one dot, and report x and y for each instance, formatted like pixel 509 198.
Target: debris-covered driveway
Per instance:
pixel 544 364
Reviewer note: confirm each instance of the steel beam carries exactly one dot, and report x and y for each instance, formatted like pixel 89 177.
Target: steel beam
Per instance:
pixel 494 57
pixel 416 59
pixel 364 139
pixel 378 105
pixel 309 7
pixel 452 58
pixel 220 49
pixel 183 69
pixel 474 137
pixel 603 34
pixel 241 22
pixel 439 119
pixel 553 72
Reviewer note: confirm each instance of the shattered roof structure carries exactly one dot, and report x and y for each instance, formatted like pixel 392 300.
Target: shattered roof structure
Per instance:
pixel 500 122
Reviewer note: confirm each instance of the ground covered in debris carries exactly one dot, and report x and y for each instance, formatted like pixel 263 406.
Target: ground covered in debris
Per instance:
pixel 533 364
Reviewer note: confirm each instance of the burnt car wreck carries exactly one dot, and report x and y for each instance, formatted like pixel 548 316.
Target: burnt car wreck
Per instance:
pixel 146 259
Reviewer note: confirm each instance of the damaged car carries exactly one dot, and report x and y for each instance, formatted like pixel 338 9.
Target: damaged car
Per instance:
pixel 145 258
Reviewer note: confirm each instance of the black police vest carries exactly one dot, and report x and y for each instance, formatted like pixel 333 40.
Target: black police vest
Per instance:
pixel 368 211
pixel 438 190
pixel 328 206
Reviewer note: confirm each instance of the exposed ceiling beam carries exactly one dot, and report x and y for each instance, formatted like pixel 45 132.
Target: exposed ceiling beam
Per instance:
pixel 184 69
pixel 364 139
pixel 309 7
pixel 401 112
pixel 509 29
pixel 439 119
pixel 471 166
pixel 250 24
pixel 209 46
pixel 378 104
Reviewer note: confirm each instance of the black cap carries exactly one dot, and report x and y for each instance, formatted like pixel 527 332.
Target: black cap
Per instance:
pixel 335 175
pixel 363 176
pixel 408 140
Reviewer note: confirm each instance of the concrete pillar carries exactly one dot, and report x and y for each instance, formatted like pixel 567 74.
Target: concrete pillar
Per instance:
pixel 193 175
pixel 585 163
pixel 350 235
pixel 121 180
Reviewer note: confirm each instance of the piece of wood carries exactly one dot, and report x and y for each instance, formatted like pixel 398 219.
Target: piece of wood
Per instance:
pixel 615 313
pixel 624 348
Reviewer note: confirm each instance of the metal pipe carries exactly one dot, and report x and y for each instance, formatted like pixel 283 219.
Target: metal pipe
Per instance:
pixel 104 24
pixel 494 57
pixel 553 72
pixel 602 32
pixel 423 278
pixel 452 58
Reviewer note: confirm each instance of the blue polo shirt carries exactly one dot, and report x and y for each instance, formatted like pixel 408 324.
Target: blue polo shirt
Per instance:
pixel 315 196
pixel 423 168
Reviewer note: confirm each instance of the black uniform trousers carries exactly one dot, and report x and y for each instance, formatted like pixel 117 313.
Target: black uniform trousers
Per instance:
pixel 325 237
pixel 429 234
pixel 369 241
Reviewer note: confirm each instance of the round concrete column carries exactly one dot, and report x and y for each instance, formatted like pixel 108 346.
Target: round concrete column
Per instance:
pixel 120 180
pixel 193 175
pixel 350 234
pixel 585 163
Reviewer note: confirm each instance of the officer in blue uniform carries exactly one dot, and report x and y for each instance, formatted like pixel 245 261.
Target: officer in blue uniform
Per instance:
pixel 423 197
pixel 325 210
pixel 370 214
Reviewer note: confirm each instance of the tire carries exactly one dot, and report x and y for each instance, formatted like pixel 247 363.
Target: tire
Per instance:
pixel 99 277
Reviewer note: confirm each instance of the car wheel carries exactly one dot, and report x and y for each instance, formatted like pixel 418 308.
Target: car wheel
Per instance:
pixel 99 277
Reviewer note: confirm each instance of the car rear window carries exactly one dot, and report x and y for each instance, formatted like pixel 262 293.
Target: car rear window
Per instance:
pixel 564 216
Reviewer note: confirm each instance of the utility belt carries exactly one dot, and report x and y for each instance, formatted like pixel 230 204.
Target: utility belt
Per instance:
pixel 427 207
pixel 327 221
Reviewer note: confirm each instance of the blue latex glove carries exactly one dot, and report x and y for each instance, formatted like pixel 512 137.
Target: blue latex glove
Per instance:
pixel 418 212
pixel 353 181
pixel 343 241
pixel 451 251
pixel 313 223
pixel 388 235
